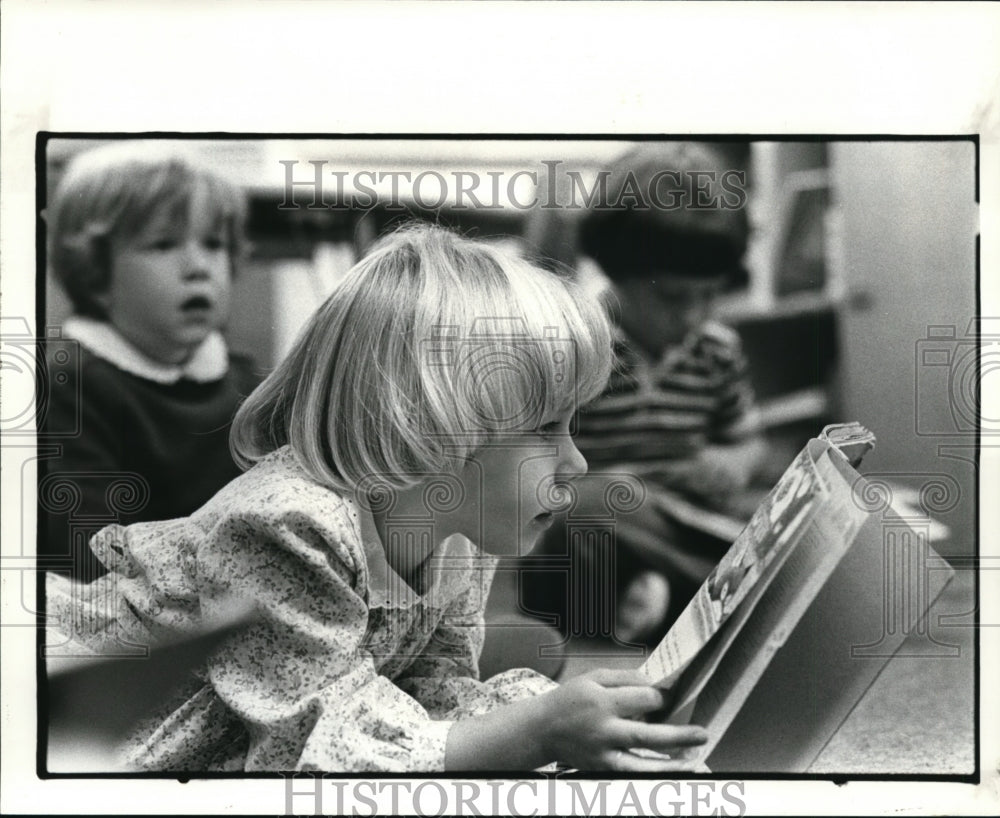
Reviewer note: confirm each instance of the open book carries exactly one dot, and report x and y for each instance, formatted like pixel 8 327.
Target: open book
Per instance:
pixel 801 614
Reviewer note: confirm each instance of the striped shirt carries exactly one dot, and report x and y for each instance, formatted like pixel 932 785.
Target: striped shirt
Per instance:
pixel 653 412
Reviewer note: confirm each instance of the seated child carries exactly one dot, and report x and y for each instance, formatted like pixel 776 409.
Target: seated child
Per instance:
pixel 678 412
pixel 419 421
pixel 145 243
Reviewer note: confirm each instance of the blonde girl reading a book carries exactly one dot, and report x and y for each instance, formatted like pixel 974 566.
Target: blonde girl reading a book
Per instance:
pixel 420 424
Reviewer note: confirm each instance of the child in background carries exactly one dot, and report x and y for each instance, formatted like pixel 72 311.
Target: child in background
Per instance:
pixel 678 412
pixel 423 415
pixel 145 243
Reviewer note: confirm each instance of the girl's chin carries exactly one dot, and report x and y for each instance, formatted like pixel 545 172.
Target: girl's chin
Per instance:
pixel 512 545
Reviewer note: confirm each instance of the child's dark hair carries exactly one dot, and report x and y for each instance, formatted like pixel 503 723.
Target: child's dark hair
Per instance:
pixel 112 192
pixel 652 223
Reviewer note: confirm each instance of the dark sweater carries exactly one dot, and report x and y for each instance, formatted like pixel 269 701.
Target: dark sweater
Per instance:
pixel 115 447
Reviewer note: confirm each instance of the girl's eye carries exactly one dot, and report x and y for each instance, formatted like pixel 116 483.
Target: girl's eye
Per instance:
pixel 551 429
pixel 214 243
pixel 162 244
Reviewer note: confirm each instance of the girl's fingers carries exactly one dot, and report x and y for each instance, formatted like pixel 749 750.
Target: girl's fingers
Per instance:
pixel 677 754
pixel 630 691
pixel 609 677
pixel 666 738
pixel 625 761
pixel 636 701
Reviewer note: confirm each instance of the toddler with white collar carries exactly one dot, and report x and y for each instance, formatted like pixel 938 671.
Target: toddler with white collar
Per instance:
pixel 145 243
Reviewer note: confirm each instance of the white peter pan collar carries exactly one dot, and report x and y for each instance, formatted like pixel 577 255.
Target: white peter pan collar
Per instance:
pixel 210 360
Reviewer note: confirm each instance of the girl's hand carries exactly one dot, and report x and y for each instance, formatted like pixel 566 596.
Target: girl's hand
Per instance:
pixel 593 722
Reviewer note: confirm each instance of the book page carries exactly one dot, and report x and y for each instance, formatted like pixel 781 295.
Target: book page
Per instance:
pixel 790 587
pixel 721 692
pixel 757 553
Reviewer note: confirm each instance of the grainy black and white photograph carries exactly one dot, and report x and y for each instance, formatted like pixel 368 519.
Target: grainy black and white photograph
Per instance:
pixel 500 472
pixel 447 436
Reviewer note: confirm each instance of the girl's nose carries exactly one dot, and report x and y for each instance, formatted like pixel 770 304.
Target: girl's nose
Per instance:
pixel 574 464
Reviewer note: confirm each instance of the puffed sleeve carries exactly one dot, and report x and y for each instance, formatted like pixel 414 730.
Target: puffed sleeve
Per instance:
pixel 300 679
pixel 445 677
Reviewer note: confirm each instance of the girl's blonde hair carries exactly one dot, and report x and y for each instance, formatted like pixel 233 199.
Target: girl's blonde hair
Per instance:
pixel 432 345
pixel 113 192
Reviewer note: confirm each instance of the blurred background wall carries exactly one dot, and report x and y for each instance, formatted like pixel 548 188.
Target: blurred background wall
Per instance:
pixel 909 370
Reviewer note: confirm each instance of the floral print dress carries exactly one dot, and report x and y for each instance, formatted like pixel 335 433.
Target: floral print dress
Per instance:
pixel 346 668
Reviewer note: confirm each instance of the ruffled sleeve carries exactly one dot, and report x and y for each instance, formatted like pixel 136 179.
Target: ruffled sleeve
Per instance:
pixel 445 677
pixel 300 679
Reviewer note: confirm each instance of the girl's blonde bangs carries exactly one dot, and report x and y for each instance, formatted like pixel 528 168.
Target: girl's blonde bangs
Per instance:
pixel 431 346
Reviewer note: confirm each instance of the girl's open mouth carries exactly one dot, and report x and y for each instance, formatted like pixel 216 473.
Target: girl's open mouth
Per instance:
pixel 544 519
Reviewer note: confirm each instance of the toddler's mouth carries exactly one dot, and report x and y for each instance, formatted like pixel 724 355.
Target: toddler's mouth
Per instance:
pixel 196 303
